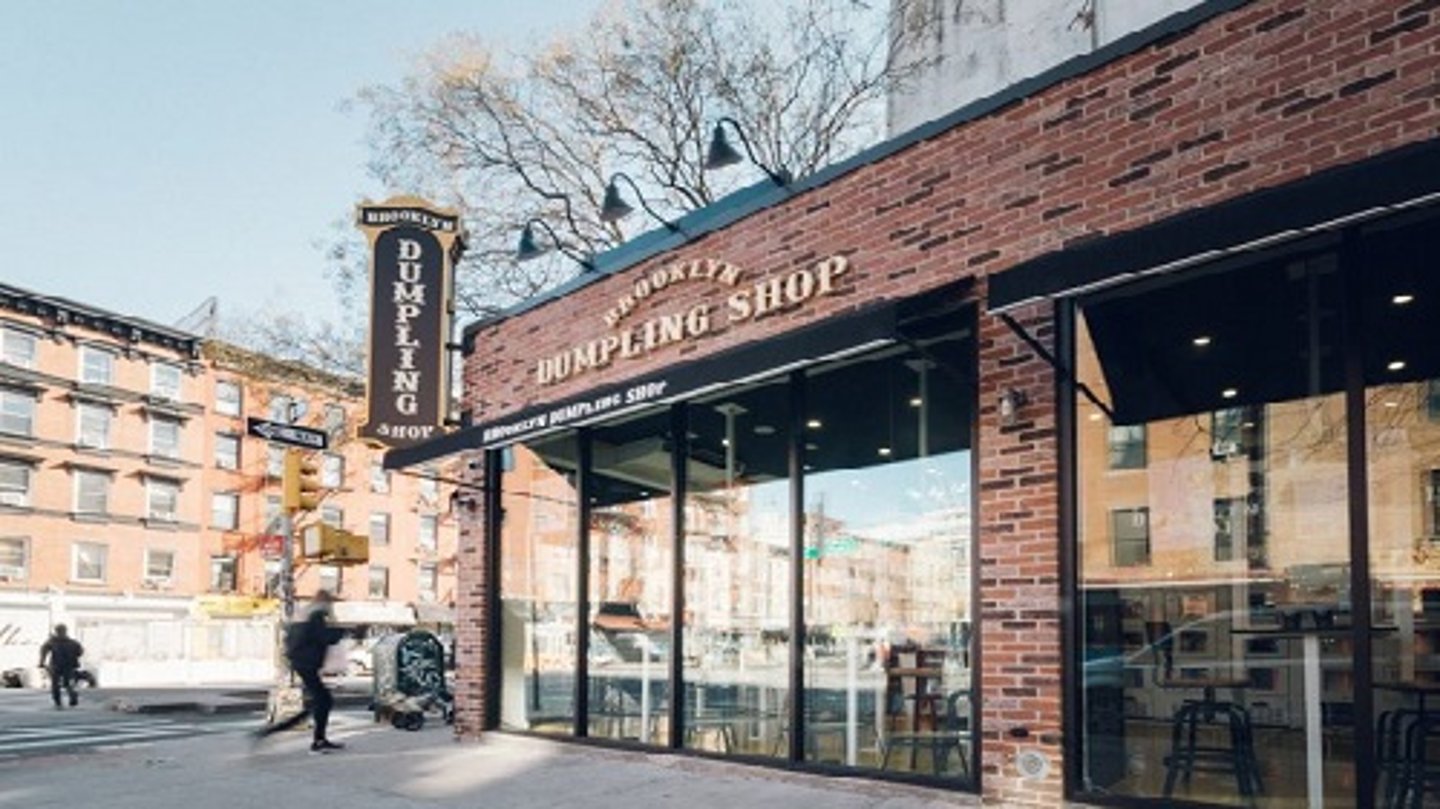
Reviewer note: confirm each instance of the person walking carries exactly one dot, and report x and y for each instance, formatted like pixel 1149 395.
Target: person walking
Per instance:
pixel 60 656
pixel 305 646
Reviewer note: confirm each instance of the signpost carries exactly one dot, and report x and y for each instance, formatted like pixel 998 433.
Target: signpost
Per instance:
pixel 287 434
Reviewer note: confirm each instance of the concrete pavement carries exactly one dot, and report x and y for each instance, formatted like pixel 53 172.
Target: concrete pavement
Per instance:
pixel 390 769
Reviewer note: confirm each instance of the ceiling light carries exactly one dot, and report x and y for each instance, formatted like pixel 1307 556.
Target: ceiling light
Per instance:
pixel 812 447
pixel 1402 298
pixel 764 429
pixel 1202 341
pixel 885 452
pixel 724 442
pixel 1392 404
pixel 1396 365
pixel 1229 393
pixel 813 424
pixel 916 402
pixel 1095 417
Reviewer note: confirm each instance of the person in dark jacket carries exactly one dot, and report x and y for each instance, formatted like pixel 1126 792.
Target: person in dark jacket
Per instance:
pixel 305 646
pixel 60 655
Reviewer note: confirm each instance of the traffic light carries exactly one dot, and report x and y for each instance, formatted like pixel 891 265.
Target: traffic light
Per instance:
pixel 301 482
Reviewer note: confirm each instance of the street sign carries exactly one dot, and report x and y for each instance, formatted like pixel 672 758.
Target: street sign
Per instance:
pixel 288 434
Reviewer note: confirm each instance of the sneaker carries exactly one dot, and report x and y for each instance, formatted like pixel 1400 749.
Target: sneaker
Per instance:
pixel 325 746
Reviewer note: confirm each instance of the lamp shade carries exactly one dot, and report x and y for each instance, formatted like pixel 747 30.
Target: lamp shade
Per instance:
pixel 614 206
pixel 721 153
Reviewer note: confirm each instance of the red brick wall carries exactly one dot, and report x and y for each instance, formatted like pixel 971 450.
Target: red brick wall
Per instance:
pixel 1251 99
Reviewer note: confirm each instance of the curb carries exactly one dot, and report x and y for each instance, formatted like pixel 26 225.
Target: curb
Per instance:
pixel 209 708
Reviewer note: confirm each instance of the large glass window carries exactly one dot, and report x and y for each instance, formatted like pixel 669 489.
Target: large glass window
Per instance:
pixel 227 397
pixel 1214 581
pixel 165 437
pixel 92 492
pixel 97 366
pixel 14 558
pixel 93 425
pixel 886 558
pixel 14 482
pixel 738 571
pixel 630 563
pixel 88 562
pixel 227 451
pixel 163 499
pixel 166 380
pixel 539 586
pixel 17 347
pixel 17 412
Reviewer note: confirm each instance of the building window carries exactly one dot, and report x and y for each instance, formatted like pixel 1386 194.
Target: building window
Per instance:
pixel 426 538
pixel 225 511
pixel 274 461
pixel 272 514
pixel 429 485
pixel 14 558
pixel 88 562
pixel 286 408
pixel 379 529
pixel 92 492
pixel 1433 497
pixel 17 412
pixel 1127 446
pixel 93 427
pixel 272 578
pixel 330 578
pixel 379 477
pixel 164 437
pixel 159 566
pixel 163 499
pixel 97 366
pixel 222 574
pixel 227 398
pixel 334 419
pixel 1130 536
pixel 429 582
pixel 1229 526
pixel 332 471
pixel 1227 432
pixel 330 515
pixel 165 380
pixel 14 483
pixel 17 347
pixel 227 451
pixel 379 581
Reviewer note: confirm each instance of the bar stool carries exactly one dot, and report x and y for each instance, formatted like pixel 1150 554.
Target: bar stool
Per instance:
pixel 1187 754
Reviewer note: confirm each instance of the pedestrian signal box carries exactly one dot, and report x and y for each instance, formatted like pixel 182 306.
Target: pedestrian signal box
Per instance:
pixel 336 546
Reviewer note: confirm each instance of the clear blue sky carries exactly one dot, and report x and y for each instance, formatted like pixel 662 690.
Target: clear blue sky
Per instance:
pixel 157 152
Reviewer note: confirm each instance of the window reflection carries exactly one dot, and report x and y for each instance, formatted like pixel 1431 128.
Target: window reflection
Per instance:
pixel 538 587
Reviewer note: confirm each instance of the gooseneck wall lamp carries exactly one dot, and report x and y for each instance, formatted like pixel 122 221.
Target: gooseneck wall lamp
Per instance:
pixel 529 248
pixel 722 154
pixel 615 208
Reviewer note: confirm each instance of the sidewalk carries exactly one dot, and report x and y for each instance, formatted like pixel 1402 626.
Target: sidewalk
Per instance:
pixel 389 769
pixel 211 699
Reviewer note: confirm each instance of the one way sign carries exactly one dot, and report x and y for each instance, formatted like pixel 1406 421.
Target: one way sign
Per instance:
pixel 286 434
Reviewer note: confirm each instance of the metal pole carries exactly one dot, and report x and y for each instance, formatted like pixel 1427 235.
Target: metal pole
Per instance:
pixel 287 565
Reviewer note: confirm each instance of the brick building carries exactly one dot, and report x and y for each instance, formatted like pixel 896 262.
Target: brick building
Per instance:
pixel 134 506
pixel 1079 443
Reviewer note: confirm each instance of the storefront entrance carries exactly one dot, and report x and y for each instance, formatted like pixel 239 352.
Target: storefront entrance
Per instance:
pixel 774 569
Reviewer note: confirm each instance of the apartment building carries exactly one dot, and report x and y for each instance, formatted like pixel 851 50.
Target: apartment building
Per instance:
pixel 134 507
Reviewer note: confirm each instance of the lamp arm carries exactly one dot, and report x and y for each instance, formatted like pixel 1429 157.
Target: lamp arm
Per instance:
pixel 780 177
pixel 559 245
pixel 671 226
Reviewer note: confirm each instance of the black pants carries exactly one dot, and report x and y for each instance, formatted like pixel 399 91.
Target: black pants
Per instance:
pixel 62 679
pixel 317 704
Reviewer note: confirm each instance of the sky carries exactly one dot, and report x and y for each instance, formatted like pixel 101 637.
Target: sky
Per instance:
pixel 154 153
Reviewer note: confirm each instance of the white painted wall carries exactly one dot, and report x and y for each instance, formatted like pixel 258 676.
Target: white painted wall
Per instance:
pixel 980 47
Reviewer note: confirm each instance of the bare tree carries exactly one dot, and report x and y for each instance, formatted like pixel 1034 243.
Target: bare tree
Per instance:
pixel 507 138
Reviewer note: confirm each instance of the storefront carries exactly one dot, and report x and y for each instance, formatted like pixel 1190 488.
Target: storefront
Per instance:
pixel 1080 443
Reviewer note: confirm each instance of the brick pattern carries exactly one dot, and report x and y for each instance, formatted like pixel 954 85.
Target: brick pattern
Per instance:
pixel 472 614
pixel 1254 98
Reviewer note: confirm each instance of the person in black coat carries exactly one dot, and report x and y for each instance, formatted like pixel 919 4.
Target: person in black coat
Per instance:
pixel 305 646
pixel 60 655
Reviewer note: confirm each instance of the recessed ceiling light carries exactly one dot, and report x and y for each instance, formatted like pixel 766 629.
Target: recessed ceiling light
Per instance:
pixel 1202 340
pixel 885 451
pixel 1229 393
pixel 812 447
pixel 724 442
pixel 1249 425
pixel 1402 298
pixel 1395 365
pixel 916 402
pixel 813 424
pixel 1392 404
pixel 1095 416
pixel 764 429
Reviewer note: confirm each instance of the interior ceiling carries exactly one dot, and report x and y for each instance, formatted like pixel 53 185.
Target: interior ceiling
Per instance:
pixel 1273 329
pixel 855 408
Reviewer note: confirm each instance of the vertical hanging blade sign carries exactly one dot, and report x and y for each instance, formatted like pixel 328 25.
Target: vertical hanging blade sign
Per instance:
pixel 413 248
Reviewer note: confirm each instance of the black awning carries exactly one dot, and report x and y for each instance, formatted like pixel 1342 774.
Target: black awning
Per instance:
pixel 1312 204
pixel 870 325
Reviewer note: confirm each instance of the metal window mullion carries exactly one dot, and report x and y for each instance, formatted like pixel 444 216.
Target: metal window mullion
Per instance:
pixel 797 569
pixel 679 456
pixel 582 589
